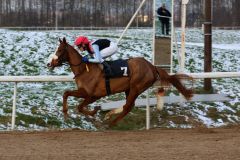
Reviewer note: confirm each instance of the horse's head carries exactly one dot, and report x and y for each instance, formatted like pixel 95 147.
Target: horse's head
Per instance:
pixel 60 56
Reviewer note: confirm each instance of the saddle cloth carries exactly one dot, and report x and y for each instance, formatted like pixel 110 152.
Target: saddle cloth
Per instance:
pixel 119 68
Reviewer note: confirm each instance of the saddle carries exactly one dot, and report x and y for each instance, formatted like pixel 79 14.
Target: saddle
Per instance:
pixel 114 69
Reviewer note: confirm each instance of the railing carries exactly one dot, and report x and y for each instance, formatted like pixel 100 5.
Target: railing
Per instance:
pixel 17 79
pixel 27 79
pixel 164 17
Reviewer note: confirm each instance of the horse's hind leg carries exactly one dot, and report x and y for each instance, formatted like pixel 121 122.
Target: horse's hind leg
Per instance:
pixel 115 111
pixel 112 112
pixel 83 105
pixel 133 94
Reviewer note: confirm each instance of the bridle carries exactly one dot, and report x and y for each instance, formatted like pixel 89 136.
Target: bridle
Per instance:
pixel 63 60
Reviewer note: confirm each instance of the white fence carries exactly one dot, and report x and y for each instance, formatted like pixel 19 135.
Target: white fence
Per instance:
pixel 17 79
pixel 70 78
pixel 28 79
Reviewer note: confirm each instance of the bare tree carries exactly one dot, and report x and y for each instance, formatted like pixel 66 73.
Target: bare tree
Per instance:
pixel 107 12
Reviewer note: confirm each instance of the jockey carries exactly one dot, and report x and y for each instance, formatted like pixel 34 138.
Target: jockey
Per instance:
pixel 98 50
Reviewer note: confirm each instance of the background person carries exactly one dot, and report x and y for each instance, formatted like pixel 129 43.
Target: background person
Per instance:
pixel 164 18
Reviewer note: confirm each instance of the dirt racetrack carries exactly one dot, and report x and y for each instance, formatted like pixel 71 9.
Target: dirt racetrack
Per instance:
pixel 155 144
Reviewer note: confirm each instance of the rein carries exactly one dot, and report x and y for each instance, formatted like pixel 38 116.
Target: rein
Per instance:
pixel 64 60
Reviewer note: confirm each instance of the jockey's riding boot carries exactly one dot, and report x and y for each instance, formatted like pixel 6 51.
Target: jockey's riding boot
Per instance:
pixel 107 69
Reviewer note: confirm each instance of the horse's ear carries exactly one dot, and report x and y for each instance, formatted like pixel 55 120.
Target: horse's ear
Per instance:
pixel 60 40
pixel 64 40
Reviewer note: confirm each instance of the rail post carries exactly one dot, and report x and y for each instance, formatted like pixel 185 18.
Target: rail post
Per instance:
pixel 147 111
pixel 14 106
pixel 183 26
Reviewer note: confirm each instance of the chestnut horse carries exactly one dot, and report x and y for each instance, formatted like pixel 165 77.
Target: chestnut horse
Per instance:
pixel 90 80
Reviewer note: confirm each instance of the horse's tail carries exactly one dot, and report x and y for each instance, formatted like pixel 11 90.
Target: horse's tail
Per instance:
pixel 167 79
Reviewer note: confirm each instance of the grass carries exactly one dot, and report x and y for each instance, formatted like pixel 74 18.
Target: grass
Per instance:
pixel 7 110
pixel 202 91
pixel 39 120
pixel 19 38
pixel 135 120
pixel 213 114
pixel 28 119
pixel 53 122
pixel 7 61
pixel 5 119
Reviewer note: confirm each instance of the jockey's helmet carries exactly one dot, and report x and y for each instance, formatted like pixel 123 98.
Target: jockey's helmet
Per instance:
pixel 81 40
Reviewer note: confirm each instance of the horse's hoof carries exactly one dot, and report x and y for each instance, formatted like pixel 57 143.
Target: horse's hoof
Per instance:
pixel 112 124
pixel 107 117
pixel 106 126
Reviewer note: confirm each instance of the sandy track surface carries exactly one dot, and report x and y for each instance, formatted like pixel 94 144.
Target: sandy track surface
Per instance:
pixel 155 144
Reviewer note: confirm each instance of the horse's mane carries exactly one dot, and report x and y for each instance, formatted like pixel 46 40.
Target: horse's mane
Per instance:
pixel 73 49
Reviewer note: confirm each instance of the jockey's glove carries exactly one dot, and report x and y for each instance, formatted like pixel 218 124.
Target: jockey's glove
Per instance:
pixel 85 59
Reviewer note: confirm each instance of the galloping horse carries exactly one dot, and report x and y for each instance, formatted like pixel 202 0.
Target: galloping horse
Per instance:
pixel 91 80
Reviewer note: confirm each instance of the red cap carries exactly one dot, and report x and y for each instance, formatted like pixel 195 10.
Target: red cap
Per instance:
pixel 81 40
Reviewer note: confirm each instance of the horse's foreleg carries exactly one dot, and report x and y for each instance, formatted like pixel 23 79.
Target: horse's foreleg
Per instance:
pixel 83 105
pixel 131 97
pixel 81 93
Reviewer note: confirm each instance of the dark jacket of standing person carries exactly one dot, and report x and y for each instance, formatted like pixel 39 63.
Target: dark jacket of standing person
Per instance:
pixel 162 11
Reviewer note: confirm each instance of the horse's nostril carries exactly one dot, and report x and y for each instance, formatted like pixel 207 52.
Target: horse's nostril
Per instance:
pixel 49 65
